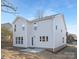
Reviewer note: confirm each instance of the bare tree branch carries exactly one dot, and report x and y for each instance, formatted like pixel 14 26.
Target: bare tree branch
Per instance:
pixel 7 7
pixel 8 12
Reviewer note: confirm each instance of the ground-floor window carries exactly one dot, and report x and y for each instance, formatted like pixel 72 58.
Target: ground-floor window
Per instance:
pixel 16 40
pixel 19 40
pixel 46 38
pixel 43 38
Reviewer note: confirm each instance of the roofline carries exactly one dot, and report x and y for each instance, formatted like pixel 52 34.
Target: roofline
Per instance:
pixel 64 23
pixel 45 18
pixel 20 17
pixel 40 19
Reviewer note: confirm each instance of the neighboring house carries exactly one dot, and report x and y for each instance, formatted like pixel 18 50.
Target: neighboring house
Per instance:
pixel 7 26
pixel 71 37
pixel 46 32
pixel 6 31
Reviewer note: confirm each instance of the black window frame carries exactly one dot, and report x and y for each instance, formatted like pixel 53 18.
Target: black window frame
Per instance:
pixel 21 40
pixel 46 38
pixel 16 40
pixel 43 38
pixel 40 38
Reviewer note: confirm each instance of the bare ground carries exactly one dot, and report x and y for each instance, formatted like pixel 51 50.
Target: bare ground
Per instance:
pixel 69 52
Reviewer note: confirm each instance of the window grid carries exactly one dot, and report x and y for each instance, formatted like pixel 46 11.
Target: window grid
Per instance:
pixel 43 38
pixel 19 40
pixel 16 40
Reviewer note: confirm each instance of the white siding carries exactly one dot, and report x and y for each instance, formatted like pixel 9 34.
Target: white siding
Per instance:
pixel 29 34
pixel 43 29
pixel 20 32
pixel 58 21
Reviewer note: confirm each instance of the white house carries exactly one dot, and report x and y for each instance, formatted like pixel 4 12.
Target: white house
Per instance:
pixel 47 32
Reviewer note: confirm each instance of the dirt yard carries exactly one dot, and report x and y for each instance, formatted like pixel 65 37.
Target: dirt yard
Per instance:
pixel 68 52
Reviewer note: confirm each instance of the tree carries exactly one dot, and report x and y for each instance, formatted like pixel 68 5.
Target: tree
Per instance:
pixel 7 7
pixel 6 37
pixel 6 33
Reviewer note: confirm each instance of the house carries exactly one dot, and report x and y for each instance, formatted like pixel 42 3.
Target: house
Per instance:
pixel 6 32
pixel 46 32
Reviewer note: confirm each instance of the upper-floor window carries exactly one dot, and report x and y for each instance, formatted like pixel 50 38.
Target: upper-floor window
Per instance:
pixel 61 30
pixel 63 39
pixel 34 23
pixel 14 27
pixel 23 27
pixel 35 26
pixel 56 27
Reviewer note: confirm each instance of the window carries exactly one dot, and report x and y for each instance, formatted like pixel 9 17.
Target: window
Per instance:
pixel 23 27
pixel 21 40
pixel 14 28
pixel 34 23
pixel 40 38
pixel 15 25
pixel 63 40
pixel 61 30
pixel 16 40
pixel 43 37
pixel 46 38
pixel 35 28
pixel 56 27
pixel 32 40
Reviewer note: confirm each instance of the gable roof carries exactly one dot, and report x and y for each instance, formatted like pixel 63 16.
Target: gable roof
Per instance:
pixel 41 19
pixel 45 18
pixel 21 18
pixel 49 18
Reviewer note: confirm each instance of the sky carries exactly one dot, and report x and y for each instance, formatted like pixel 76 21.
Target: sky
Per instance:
pixel 29 9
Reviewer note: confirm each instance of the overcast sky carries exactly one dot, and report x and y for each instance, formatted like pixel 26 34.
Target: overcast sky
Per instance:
pixel 28 9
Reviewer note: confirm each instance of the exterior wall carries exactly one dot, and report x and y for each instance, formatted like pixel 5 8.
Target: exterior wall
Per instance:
pixel 29 34
pixel 20 32
pixel 60 32
pixel 44 28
